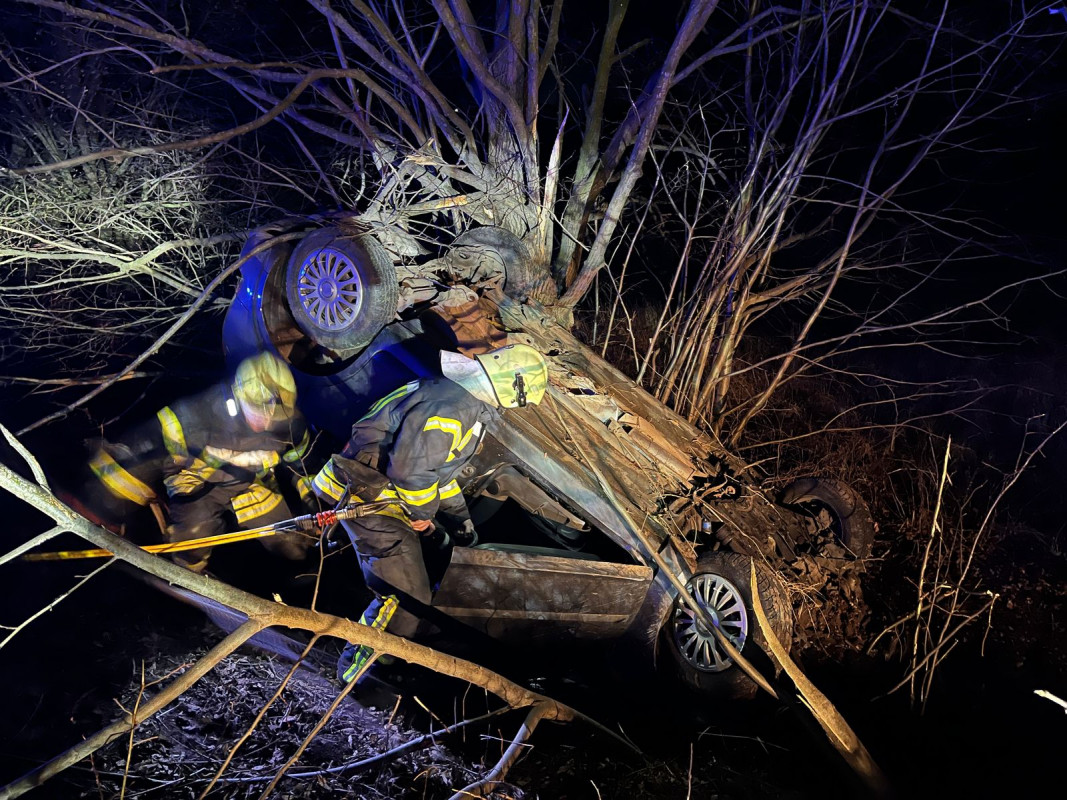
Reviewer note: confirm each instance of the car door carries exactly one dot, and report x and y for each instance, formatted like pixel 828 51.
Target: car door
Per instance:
pixel 533 594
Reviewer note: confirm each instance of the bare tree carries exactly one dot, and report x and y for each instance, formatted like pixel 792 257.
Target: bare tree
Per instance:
pixel 810 192
pixel 792 146
pixel 474 150
pixel 776 152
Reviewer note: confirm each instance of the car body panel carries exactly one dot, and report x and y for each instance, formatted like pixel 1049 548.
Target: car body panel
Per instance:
pixel 515 595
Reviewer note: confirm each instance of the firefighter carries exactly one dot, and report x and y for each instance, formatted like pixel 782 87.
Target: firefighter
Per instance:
pixel 213 456
pixel 415 441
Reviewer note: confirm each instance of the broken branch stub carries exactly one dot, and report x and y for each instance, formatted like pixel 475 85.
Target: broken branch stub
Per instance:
pixel 841 736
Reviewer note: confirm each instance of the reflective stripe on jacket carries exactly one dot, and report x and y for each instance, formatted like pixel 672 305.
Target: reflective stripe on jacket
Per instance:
pixel 120 481
pixel 202 440
pixel 210 441
pixel 420 436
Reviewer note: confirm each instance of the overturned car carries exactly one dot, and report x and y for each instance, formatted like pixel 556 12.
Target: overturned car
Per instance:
pixel 584 503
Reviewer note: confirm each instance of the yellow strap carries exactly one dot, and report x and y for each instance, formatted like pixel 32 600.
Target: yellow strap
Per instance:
pixel 170 547
pixel 116 478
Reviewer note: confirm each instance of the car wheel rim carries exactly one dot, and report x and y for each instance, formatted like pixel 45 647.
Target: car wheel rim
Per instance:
pixel 330 289
pixel 696 642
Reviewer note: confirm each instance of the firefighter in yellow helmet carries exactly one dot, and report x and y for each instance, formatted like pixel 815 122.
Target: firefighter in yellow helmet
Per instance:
pixel 211 459
pixel 416 440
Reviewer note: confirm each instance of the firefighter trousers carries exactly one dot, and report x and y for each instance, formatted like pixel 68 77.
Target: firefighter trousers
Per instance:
pixel 390 552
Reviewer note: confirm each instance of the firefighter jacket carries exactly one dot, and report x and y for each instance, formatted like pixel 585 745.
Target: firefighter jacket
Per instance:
pixel 199 443
pixel 419 436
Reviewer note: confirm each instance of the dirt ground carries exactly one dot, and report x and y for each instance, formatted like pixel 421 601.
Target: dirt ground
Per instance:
pixel 983 732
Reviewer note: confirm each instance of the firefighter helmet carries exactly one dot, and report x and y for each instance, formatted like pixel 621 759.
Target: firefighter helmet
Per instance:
pixel 518 373
pixel 265 388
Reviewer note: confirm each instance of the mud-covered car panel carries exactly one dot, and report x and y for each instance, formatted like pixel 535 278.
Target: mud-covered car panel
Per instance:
pixel 523 597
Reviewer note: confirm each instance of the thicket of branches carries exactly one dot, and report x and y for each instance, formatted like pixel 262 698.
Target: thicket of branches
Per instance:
pixel 793 170
pixel 813 211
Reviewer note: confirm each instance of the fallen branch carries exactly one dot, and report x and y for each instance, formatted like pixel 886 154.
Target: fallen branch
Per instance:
pixel 55 602
pixel 261 614
pixel 494 777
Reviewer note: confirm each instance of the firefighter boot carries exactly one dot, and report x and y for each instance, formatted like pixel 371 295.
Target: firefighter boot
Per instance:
pixel 354 658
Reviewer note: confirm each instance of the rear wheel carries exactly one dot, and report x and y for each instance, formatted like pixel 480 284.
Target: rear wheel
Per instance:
pixel 723 582
pixel 493 255
pixel 835 506
pixel 341 289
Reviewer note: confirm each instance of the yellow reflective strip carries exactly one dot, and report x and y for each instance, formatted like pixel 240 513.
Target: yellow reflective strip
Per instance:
pixel 450 489
pixel 396 512
pixel 173 435
pixel 118 480
pixel 304 487
pixel 251 513
pixel 396 394
pixel 449 426
pixel 190 479
pixel 256 493
pixel 271 461
pixel 385 613
pixel 300 450
pixel 364 653
pixel 256 502
pixel 463 442
pixel 326 482
pixel 418 497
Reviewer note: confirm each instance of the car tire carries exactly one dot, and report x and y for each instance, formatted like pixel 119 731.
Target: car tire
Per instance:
pixel 342 290
pixel 481 250
pixel 724 580
pixel 850 518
